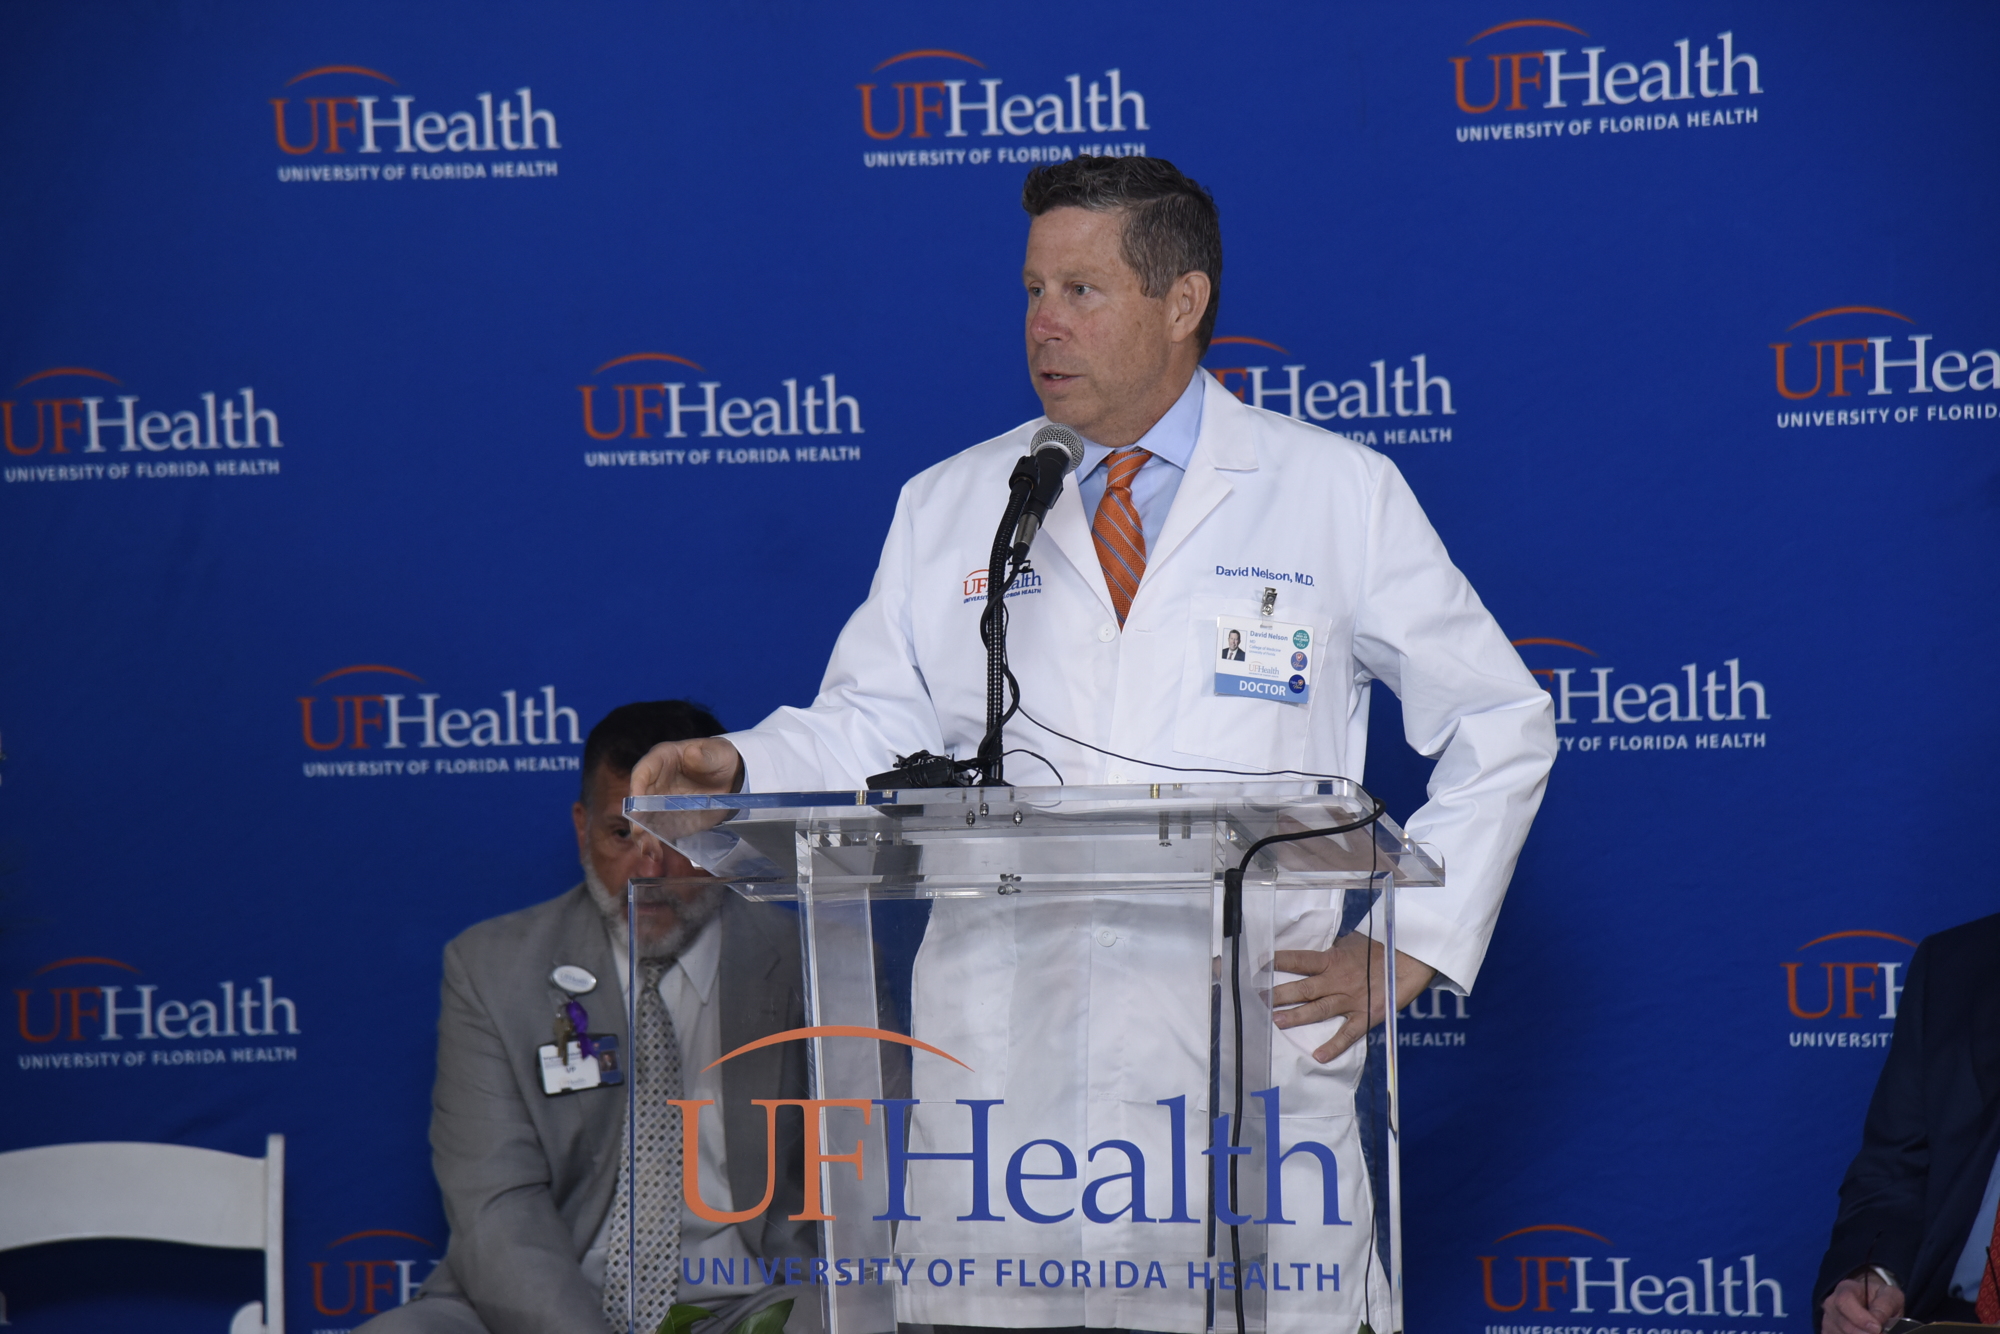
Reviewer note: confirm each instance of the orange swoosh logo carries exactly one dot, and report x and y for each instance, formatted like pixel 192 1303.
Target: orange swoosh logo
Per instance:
pixel 836 1031
pixel 69 370
pixel 339 69
pixel 367 667
pixel 1878 935
pixel 1528 23
pixel 380 1232
pixel 1851 310
pixel 646 356
pixel 1258 342
pixel 928 51
pixel 83 958
pixel 1555 1227
pixel 1558 643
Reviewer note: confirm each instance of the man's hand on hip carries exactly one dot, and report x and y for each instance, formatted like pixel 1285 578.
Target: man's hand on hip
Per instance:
pixel 1862 1304
pixel 688 768
pixel 1341 983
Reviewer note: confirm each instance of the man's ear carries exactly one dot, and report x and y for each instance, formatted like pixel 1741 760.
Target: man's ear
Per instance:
pixel 1188 302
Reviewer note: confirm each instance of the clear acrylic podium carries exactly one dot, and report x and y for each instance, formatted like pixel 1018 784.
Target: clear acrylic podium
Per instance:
pixel 1046 1086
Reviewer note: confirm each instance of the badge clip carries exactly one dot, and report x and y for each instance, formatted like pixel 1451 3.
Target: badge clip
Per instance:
pixel 1270 601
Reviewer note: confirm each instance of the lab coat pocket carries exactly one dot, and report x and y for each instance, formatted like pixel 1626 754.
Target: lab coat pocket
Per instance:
pixel 1244 732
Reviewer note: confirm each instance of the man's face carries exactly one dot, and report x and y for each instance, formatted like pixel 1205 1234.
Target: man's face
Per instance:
pixel 1235 639
pixel 614 850
pixel 1101 352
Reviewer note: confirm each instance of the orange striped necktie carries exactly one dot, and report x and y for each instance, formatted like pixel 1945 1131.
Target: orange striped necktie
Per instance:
pixel 1120 538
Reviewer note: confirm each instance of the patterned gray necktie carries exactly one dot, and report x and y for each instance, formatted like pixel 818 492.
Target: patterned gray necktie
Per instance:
pixel 656 1072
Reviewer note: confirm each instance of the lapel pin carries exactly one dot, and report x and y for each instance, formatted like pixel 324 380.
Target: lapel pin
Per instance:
pixel 576 981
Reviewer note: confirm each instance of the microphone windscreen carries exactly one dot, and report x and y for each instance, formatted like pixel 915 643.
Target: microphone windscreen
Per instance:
pixel 1060 437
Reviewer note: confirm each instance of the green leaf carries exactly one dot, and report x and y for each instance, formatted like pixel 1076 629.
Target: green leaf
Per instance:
pixel 681 1318
pixel 770 1320
pixel 1364 1329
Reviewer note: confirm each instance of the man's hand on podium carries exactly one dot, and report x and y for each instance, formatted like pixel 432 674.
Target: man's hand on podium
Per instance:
pixel 688 768
pixel 1861 1304
pixel 1339 983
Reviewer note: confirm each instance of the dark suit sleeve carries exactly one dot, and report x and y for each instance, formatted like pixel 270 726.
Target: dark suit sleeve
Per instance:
pixel 1881 1215
pixel 510 1252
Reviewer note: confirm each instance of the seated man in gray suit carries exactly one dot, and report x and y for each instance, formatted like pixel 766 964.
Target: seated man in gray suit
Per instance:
pixel 535 1184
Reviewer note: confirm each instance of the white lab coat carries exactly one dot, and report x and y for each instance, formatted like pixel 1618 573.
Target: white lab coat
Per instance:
pixel 1370 578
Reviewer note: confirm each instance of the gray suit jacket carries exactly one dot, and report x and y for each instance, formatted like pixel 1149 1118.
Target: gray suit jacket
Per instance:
pixel 527 1179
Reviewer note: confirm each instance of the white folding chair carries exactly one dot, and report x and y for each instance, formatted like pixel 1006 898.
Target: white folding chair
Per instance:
pixel 154 1192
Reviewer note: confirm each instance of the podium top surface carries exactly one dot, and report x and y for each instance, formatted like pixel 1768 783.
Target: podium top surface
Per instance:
pixel 1078 824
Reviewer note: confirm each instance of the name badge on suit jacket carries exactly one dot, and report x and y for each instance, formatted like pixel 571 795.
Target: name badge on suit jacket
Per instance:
pixel 572 1071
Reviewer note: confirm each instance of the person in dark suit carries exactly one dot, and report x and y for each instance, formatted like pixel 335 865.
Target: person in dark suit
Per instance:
pixel 530 1180
pixel 1916 1231
pixel 1234 651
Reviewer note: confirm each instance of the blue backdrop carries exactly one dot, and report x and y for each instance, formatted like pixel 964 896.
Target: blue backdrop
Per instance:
pixel 391 391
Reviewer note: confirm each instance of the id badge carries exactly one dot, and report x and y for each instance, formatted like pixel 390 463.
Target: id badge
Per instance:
pixel 571 1071
pixel 1259 659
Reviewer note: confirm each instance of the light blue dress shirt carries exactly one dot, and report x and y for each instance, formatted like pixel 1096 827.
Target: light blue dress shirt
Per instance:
pixel 1972 1260
pixel 1171 443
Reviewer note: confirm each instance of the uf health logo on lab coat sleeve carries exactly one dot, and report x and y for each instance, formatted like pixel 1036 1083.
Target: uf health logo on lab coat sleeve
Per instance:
pixel 1575 1273
pixel 1841 989
pixel 57 427
pixel 1368 409
pixel 925 109
pixel 639 398
pixel 1581 88
pixel 1680 712
pixel 1886 374
pixel 349 123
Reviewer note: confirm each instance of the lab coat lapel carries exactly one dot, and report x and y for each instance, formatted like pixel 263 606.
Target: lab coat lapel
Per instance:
pixel 1223 447
pixel 1069 528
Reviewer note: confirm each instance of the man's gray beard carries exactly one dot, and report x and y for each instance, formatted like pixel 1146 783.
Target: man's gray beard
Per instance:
pixel 689 917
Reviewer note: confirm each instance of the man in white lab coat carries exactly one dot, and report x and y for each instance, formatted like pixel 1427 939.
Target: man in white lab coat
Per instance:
pixel 1188 509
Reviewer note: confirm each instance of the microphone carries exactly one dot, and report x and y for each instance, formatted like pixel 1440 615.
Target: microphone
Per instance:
pixel 1052 455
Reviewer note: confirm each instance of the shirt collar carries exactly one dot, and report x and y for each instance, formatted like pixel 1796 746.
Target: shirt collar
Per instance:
pixel 1172 438
pixel 699 962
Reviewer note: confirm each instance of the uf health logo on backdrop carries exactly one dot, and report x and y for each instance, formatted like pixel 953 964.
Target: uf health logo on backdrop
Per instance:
pixel 1872 357
pixel 58 419
pixel 366 1273
pixel 925 112
pixel 1503 95
pixel 643 397
pixel 1679 710
pixel 1437 1018
pixel 1411 391
pixel 92 1012
pixel 387 713
pixel 352 123
pixel 1841 988
pixel 1575 1274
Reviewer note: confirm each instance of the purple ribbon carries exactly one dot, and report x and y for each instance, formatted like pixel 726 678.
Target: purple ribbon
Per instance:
pixel 579 1019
